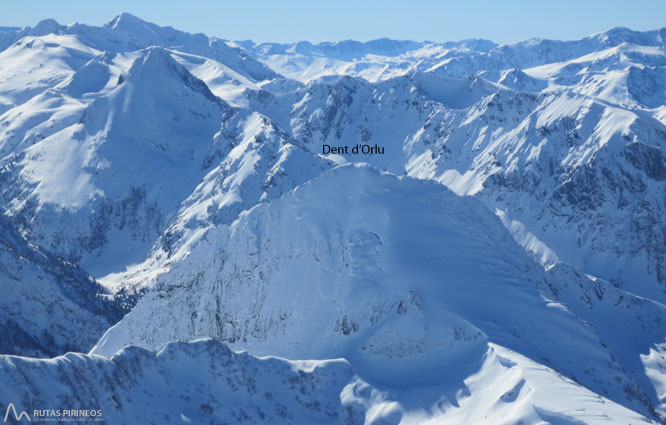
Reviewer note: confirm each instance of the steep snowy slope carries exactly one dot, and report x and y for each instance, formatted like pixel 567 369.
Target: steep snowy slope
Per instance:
pixel 94 176
pixel 571 172
pixel 630 326
pixel 257 162
pixel 205 382
pixel 400 276
pixel 48 306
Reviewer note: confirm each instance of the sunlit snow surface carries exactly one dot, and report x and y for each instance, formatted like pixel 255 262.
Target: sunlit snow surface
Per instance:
pixel 503 261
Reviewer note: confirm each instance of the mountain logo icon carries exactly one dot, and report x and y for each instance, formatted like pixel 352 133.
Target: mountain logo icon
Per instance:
pixel 17 416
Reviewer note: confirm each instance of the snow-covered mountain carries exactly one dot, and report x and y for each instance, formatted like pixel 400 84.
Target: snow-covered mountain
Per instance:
pixel 510 230
pixel 342 266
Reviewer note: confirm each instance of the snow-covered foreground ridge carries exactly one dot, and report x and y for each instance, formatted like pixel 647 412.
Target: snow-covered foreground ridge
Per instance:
pixel 204 382
pixel 503 259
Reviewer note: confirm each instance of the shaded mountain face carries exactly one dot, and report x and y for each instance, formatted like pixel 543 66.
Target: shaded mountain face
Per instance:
pixel 511 225
pixel 49 306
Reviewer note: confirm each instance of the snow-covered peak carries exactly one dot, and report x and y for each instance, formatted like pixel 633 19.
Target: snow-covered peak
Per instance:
pixel 132 137
pixel 618 35
pixel 128 22
pixel 156 64
pixel 126 33
pixel 47 26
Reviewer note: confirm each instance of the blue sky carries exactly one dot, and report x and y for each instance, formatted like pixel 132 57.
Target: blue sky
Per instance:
pixel 292 20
